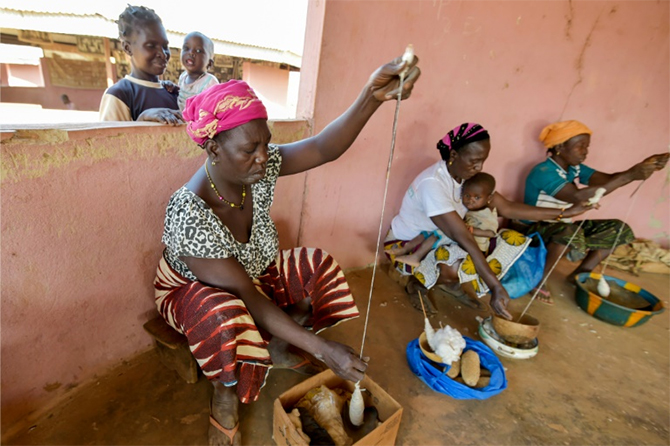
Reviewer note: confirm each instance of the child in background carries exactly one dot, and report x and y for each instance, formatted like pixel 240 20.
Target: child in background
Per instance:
pixel 481 220
pixel 67 102
pixel 196 57
pixel 139 96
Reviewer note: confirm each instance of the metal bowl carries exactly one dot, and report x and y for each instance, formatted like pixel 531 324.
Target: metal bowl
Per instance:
pixel 498 345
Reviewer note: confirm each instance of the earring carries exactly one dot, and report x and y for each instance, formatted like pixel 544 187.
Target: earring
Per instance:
pixel 213 163
pixel 558 153
pixel 451 162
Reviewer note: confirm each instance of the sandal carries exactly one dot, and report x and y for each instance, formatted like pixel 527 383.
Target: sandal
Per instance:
pixel 462 297
pixel 544 296
pixel 412 289
pixel 306 366
pixel 230 433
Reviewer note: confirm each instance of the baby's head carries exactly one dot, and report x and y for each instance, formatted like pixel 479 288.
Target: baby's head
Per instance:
pixel 144 39
pixel 197 53
pixel 478 191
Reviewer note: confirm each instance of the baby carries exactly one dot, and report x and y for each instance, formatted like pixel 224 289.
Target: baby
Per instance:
pixel 197 54
pixel 481 220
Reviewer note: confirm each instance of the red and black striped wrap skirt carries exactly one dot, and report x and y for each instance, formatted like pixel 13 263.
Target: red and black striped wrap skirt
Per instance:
pixel 222 334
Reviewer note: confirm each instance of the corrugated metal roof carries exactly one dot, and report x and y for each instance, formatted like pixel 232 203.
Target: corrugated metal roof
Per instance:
pixel 100 26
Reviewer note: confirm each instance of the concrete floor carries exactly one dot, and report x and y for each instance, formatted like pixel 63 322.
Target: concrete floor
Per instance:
pixel 591 383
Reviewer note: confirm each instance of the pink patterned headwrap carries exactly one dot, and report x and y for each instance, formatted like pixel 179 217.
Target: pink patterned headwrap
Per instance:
pixel 220 108
pixel 460 136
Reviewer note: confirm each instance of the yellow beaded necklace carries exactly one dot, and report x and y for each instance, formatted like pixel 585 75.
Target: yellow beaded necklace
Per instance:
pixel 216 191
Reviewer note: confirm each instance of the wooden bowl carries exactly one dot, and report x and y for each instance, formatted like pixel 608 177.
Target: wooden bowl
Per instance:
pixel 426 350
pixel 515 332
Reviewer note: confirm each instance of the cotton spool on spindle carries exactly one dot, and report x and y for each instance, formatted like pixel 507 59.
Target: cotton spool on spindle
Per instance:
pixel 603 287
pixel 356 404
pixel 427 328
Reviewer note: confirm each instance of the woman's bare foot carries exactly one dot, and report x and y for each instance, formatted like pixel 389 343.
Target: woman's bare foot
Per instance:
pixel 543 295
pixel 286 357
pixel 459 293
pixel 224 419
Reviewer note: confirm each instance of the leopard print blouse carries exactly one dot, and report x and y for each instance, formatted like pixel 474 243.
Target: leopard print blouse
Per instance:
pixel 193 230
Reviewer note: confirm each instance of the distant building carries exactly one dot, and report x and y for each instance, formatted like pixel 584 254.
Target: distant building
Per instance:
pixel 46 55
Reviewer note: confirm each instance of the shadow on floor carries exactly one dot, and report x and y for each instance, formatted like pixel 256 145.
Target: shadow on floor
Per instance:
pixel 591 383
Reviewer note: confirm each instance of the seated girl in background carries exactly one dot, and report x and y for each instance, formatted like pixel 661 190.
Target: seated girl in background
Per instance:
pixel 481 220
pixel 139 96
pixel 197 55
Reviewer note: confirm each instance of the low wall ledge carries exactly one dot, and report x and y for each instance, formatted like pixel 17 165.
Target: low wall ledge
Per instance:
pixel 58 133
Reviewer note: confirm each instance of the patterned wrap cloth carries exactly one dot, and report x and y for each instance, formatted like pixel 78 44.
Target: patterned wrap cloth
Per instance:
pixel 220 108
pixel 510 245
pixel 222 334
pixel 559 132
pixel 594 234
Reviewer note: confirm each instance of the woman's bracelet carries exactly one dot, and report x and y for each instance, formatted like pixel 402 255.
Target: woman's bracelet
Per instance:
pixel 560 216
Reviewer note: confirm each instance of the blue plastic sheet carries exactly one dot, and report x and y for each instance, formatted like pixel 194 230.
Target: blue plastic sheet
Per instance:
pixel 526 273
pixel 435 377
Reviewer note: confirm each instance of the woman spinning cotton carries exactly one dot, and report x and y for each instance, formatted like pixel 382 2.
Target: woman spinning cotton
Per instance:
pixel 222 281
pixel 434 202
pixel 551 184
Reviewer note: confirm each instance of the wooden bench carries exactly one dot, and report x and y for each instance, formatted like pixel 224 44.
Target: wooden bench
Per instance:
pixel 173 349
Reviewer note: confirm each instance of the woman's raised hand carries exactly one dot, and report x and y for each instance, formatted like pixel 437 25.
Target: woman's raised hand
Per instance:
pixel 658 161
pixel 643 170
pixel 342 360
pixel 385 81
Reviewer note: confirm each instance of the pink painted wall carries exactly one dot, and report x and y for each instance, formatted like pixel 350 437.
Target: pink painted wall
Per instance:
pixel 271 82
pixel 513 66
pixel 82 217
pixel 49 95
pixel 29 73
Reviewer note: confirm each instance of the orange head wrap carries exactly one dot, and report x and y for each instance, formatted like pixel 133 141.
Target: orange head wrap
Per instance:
pixel 559 132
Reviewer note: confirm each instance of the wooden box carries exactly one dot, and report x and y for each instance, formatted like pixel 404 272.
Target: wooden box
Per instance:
pixel 390 412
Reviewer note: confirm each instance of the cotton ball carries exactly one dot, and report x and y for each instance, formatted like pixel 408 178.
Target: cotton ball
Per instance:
pixel 597 196
pixel 448 344
pixel 430 331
